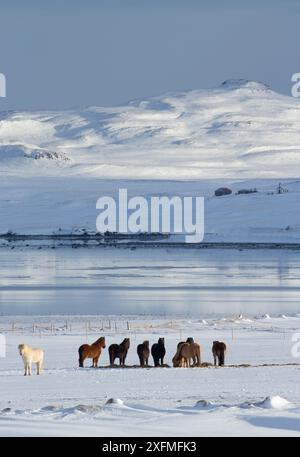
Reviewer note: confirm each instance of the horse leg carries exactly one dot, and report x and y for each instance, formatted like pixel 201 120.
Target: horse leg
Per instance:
pixel 39 367
pixel 96 362
pixel 25 366
pixel 29 368
pixel 221 360
pixel 141 360
pixel 215 360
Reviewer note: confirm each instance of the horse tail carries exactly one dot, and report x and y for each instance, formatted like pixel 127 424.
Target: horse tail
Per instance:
pixel 111 355
pixel 81 358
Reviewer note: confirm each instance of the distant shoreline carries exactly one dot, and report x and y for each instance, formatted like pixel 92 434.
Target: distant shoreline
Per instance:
pixel 131 241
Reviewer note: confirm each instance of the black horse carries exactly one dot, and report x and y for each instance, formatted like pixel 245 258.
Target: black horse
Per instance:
pixel 158 352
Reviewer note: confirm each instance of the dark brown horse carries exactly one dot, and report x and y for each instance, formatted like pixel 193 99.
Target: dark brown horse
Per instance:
pixel 219 350
pixel 92 351
pixel 119 351
pixel 143 353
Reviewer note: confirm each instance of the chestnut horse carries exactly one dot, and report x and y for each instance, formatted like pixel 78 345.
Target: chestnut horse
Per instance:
pixel 92 351
pixel 186 352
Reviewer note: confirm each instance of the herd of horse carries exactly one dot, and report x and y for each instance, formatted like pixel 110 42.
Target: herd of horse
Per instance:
pixel 188 354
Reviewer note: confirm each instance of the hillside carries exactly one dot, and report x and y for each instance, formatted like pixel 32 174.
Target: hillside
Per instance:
pixel 55 165
pixel 240 129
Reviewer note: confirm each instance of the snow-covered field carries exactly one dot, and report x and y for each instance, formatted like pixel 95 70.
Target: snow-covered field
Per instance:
pixel 262 399
pixel 47 205
pixel 53 168
pixel 55 165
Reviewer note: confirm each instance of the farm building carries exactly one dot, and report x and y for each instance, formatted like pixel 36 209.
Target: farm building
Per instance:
pixel 222 191
pixel 247 191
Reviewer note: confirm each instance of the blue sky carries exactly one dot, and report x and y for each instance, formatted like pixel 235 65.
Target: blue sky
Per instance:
pixel 60 54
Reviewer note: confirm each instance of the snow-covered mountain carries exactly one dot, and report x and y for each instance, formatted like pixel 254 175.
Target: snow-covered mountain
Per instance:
pixel 54 165
pixel 240 129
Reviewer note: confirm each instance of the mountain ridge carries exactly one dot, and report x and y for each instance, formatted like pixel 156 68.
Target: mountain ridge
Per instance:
pixel 241 128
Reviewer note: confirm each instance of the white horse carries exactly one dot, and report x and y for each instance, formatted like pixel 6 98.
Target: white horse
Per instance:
pixel 30 356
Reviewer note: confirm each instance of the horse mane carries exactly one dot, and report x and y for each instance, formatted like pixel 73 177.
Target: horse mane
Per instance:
pixel 99 340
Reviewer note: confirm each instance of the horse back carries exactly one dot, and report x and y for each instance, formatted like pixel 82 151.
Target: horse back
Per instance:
pixel 85 349
pixel 35 355
pixel 158 350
